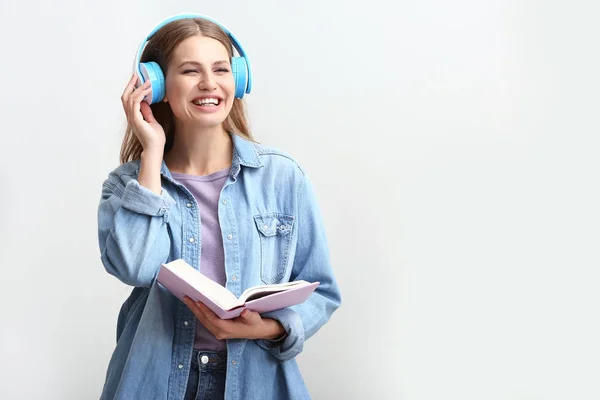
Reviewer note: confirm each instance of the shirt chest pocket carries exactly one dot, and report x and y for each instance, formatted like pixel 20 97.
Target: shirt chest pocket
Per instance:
pixel 275 232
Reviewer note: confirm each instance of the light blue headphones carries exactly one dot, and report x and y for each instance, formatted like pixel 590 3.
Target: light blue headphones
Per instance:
pixel 240 65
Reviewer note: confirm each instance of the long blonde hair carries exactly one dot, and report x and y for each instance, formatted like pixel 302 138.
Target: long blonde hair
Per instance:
pixel 160 48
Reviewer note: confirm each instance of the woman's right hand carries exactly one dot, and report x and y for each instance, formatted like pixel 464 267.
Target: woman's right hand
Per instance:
pixel 139 116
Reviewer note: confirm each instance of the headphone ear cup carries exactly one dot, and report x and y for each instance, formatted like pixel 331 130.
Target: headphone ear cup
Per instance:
pixel 151 72
pixel 240 75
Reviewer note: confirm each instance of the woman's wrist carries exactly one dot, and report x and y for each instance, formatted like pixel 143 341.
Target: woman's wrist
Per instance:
pixel 273 330
pixel 150 164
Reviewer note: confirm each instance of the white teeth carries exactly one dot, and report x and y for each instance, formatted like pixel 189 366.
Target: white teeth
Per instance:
pixel 206 101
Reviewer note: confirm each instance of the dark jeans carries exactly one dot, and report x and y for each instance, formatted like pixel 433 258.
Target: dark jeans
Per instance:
pixel 207 376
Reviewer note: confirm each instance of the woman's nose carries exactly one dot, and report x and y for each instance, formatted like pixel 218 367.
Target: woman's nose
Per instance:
pixel 207 82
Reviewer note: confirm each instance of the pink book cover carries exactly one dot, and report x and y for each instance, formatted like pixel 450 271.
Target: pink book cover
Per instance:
pixel 180 287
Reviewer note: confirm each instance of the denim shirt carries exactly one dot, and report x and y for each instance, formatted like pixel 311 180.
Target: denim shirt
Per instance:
pixel 272 232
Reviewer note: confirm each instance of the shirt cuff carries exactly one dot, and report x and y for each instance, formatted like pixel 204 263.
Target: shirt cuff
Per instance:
pixel 142 200
pixel 292 343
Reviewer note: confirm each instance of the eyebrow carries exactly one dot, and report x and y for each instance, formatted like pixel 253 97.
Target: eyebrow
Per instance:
pixel 199 65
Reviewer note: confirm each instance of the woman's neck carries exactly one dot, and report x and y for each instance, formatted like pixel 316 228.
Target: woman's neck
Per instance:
pixel 200 152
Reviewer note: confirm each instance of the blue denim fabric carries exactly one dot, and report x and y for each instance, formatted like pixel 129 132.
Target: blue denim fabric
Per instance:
pixel 207 376
pixel 272 232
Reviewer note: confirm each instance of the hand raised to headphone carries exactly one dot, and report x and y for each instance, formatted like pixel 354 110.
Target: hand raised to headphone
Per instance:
pixel 139 116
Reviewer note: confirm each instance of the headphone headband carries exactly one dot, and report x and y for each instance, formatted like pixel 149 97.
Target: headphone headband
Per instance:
pixel 236 44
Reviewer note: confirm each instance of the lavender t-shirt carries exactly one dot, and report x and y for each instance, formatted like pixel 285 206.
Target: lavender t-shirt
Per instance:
pixel 206 189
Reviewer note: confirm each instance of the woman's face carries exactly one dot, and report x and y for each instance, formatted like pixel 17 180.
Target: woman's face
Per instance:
pixel 199 83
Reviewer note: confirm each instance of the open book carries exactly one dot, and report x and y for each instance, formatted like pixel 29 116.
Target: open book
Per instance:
pixel 181 279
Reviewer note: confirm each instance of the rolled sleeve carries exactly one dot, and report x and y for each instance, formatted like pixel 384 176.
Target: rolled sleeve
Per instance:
pixel 293 341
pixel 142 200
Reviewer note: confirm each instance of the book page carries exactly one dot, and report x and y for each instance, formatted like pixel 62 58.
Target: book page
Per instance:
pixel 256 292
pixel 211 289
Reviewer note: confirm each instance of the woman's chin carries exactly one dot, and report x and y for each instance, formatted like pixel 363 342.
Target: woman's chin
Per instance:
pixel 208 123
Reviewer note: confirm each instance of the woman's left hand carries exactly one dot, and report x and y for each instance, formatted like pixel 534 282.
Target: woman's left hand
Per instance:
pixel 249 325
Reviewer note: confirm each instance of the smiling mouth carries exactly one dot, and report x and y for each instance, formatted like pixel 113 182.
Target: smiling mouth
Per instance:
pixel 207 102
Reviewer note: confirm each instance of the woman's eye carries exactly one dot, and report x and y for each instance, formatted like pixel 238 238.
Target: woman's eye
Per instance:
pixel 222 70
pixel 189 70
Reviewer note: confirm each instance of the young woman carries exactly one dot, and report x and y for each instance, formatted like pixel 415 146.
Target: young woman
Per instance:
pixel 193 184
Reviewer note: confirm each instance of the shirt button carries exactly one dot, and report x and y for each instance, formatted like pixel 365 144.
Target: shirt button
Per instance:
pixel 186 323
pixel 180 366
pixel 233 362
pixel 229 236
pixel 192 240
pixel 224 201
pixel 189 204
pixel 234 278
pixel 204 359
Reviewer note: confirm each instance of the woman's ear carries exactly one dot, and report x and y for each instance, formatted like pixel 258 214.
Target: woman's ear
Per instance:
pixel 165 100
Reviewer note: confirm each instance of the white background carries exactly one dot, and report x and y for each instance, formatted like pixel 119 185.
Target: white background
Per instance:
pixel 453 147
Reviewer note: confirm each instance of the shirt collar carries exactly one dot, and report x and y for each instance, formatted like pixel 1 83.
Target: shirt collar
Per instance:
pixel 244 153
